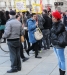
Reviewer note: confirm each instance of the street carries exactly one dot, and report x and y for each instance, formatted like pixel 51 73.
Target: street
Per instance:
pixel 45 66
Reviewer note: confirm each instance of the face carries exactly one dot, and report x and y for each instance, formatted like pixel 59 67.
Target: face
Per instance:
pixel 66 13
pixel 34 17
pixel 43 12
pixel 18 18
pixel 54 19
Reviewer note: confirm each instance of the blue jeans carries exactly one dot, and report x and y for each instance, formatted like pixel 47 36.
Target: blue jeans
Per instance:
pixel 61 58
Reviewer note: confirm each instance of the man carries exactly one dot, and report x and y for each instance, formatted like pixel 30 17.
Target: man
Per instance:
pixel 46 32
pixel 21 46
pixel 13 31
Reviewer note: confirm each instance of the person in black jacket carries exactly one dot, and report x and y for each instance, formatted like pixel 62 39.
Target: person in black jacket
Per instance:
pixel 2 24
pixel 65 19
pixel 46 31
pixel 57 28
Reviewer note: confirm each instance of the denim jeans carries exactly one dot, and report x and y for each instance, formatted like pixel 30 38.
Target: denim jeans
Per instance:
pixel 46 40
pixel 61 58
pixel 14 48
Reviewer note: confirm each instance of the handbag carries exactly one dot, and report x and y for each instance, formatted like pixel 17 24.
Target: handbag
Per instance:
pixel 22 38
pixel 38 34
pixel 62 38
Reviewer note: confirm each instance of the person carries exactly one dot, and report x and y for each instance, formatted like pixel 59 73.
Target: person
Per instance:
pixel 2 25
pixel 32 25
pixel 13 32
pixel 24 19
pixel 46 31
pixel 21 46
pixel 57 28
pixel 65 19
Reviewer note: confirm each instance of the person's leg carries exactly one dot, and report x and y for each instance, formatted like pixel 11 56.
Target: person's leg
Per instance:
pixel 27 38
pixel 44 39
pixel 48 42
pixel 21 51
pixel 55 50
pixel 61 59
pixel 31 47
pixel 35 47
pixel 18 58
pixel 13 58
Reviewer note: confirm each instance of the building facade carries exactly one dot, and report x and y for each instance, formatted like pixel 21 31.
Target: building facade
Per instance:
pixel 9 4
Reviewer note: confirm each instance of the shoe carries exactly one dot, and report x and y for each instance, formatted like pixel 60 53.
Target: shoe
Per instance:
pixel 38 57
pixel 12 71
pixel 19 69
pixel 61 72
pixel 27 52
pixel 25 59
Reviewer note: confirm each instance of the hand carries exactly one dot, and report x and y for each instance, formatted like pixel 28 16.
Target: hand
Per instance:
pixel 36 23
pixel 22 25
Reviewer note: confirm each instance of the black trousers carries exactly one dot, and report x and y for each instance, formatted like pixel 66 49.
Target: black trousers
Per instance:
pixel 27 39
pixel 21 51
pixel 14 48
pixel 34 47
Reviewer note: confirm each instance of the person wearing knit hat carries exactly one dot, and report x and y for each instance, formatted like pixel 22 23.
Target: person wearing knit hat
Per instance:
pixel 12 12
pixel 13 32
pixel 58 28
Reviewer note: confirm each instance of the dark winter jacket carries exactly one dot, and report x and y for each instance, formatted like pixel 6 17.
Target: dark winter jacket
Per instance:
pixel 65 20
pixel 48 22
pixel 56 29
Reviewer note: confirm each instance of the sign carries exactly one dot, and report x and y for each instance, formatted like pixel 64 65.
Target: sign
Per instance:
pixel 58 3
pixel 36 8
pixel 20 5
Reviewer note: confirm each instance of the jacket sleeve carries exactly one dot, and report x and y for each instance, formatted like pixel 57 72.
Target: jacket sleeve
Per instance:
pixel 21 31
pixel 31 26
pixel 7 31
pixel 60 29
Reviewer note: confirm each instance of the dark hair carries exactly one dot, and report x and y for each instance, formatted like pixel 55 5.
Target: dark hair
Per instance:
pixel 45 11
pixel 17 16
pixel 33 14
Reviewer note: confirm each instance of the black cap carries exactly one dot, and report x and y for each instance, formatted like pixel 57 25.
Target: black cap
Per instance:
pixel 12 12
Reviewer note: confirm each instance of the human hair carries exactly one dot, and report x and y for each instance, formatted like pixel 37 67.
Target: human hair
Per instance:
pixel 2 16
pixel 33 14
pixel 45 11
pixel 17 16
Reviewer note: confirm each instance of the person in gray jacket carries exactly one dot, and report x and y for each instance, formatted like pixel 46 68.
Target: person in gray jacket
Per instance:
pixel 13 31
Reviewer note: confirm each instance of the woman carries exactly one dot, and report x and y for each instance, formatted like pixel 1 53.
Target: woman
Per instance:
pixel 32 25
pixel 57 28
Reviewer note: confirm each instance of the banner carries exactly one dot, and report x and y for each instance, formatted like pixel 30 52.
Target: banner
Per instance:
pixel 36 8
pixel 41 5
pixel 20 5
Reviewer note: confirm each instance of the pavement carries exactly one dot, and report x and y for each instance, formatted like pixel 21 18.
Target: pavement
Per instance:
pixel 47 65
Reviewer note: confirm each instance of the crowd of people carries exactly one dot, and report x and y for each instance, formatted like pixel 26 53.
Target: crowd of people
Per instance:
pixel 14 25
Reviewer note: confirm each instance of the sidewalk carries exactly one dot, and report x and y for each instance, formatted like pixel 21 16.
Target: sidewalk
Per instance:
pixel 45 66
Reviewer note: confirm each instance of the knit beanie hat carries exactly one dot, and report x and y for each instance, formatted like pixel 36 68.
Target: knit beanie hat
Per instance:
pixel 57 15
pixel 12 12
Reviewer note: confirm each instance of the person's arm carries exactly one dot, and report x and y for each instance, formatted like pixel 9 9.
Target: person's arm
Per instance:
pixel 31 26
pixel 7 30
pixel 60 29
